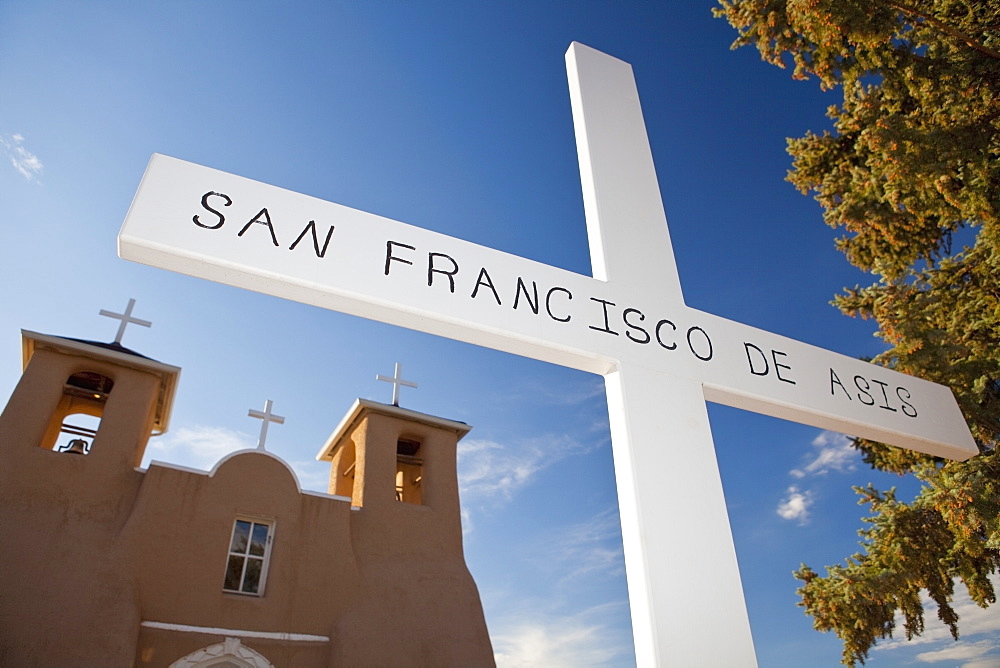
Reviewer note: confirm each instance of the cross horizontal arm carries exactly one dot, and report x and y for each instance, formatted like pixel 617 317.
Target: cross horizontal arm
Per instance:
pixel 222 227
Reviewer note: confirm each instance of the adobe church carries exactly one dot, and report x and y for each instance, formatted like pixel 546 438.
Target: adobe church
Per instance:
pixel 107 564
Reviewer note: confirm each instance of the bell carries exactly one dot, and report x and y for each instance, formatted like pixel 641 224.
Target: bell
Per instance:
pixel 77 446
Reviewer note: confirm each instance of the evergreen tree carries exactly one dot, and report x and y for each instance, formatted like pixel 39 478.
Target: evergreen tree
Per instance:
pixel 914 160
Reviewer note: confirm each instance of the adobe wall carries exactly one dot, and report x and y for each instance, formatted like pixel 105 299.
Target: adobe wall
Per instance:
pixel 67 599
pixel 383 582
pixel 412 558
pixel 93 548
pixel 180 533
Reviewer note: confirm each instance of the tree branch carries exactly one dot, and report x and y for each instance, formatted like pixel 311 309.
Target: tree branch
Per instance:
pixel 944 27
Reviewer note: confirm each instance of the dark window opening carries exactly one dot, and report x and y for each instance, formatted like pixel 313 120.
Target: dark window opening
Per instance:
pixel 409 471
pixel 73 426
pixel 89 385
pixel 407 447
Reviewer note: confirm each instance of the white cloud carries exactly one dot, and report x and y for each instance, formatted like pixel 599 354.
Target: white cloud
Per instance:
pixel 491 470
pixel 467 524
pixel 555 641
pixel 491 473
pixel 991 661
pixel 593 546
pixel 835 454
pixel 24 161
pixel 963 651
pixel 197 447
pixel 795 505
pixel 556 627
pixel 973 621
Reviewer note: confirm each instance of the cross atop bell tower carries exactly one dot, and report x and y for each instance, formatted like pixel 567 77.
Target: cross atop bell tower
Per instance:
pixel 126 319
pixel 397 381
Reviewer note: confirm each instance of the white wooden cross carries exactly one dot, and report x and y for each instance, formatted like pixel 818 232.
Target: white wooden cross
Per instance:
pixel 661 358
pixel 396 381
pixel 126 319
pixel 267 417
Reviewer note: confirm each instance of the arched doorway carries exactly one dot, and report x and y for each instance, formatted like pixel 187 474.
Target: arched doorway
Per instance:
pixel 230 653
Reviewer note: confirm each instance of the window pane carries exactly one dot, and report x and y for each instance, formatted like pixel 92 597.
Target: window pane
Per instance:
pixel 258 539
pixel 240 534
pixel 234 569
pixel 252 578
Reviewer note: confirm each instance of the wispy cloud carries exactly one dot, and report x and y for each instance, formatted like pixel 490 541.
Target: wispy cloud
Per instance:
pixel 578 620
pixel 198 447
pixel 795 505
pixel 586 389
pixel 490 474
pixel 491 469
pixel 591 547
pixel 834 453
pixel 24 161
pixel 556 641
pixel 488 470
pixel 468 526
pixel 972 649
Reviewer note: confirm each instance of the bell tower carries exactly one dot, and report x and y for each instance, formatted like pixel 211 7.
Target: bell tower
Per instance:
pixel 398 468
pixel 71 438
pixel 78 397
pixel 86 398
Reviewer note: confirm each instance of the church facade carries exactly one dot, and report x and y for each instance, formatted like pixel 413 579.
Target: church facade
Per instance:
pixel 107 564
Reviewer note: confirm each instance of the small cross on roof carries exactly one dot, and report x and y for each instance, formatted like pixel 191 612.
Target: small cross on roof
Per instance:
pixel 126 318
pixel 267 417
pixel 396 381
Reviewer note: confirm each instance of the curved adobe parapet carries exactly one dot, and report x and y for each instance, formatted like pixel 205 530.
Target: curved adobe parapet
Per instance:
pixel 256 469
pixel 254 451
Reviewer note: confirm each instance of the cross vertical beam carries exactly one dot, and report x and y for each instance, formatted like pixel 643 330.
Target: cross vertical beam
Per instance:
pixel 626 225
pixel 685 593
pixel 681 596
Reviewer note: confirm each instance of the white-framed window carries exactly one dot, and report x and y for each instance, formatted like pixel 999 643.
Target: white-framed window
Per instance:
pixel 249 552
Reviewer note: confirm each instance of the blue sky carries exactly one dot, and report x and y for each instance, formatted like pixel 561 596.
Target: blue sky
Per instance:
pixel 454 117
